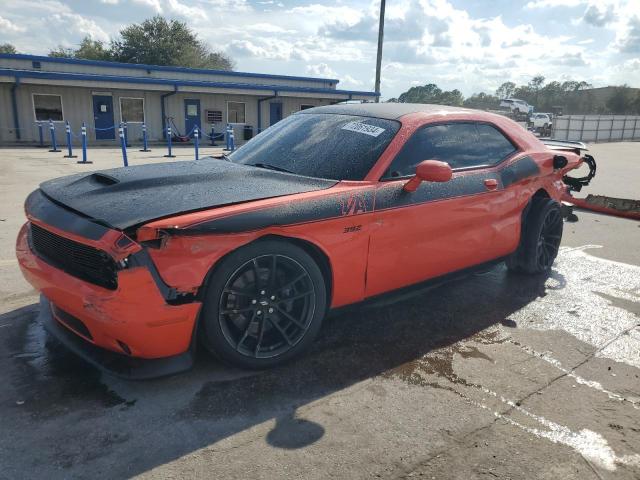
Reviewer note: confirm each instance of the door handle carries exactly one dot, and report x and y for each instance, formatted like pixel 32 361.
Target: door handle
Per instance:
pixel 491 184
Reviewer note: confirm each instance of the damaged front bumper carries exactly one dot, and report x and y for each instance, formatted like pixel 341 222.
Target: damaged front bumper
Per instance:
pixel 116 364
pixel 134 322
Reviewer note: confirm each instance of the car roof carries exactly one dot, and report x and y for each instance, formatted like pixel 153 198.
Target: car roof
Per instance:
pixel 389 111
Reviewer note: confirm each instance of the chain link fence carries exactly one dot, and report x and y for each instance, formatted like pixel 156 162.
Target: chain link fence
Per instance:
pixel 597 128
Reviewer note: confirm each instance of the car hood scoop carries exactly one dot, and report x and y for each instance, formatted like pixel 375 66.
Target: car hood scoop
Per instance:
pixel 126 197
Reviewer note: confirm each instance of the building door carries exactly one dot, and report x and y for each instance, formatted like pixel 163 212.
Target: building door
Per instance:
pixel 191 116
pixel 275 113
pixel 103 117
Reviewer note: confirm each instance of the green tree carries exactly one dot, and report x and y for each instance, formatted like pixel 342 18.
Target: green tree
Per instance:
pixel 7 48
pixel 92 50
pixel 620 101
pixel 535 85
pixel 157 41
pixel 506 90
pixel 482 101
pixel 62 52
pixel 430 93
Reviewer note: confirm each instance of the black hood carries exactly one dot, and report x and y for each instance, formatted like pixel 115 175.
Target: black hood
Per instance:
pixel 125 197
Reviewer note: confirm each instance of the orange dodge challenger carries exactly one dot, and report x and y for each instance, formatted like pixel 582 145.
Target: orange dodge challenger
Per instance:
pixel 247 253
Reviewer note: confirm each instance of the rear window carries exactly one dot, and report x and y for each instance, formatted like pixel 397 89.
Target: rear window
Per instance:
pixel 337 147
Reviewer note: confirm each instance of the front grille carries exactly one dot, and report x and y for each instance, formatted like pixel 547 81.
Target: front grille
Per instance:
pixel 77 259
pixel 72 322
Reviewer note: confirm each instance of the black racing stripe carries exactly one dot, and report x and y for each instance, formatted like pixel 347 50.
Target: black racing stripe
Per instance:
pixel 358 202
pixel 39 206
pixel 519 170
pixel 394 196
pixel 302 211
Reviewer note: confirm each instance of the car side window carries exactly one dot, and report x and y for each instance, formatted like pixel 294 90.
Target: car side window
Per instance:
pixel 461 145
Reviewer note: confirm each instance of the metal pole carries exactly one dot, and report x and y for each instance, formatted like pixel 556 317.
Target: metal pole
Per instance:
pixel 379 56
pixel 52 131
pixel 123 146
pixel 69 147
pixel 196 141
pixel 84 144
pixel 144 139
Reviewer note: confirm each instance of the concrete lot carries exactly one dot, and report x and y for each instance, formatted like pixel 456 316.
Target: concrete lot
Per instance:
pixel 497 375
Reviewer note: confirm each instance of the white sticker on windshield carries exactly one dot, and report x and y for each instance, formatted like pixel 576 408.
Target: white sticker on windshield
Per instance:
pixel 370 130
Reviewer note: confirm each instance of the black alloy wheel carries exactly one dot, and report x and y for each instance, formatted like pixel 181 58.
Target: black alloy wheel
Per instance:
pixel 540 240
pixel 549 239
pixel 264 305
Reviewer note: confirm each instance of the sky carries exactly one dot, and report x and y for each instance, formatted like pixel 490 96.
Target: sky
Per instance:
pixel 471 45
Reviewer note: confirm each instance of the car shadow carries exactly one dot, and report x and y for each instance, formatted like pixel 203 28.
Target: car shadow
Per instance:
pixel 45 383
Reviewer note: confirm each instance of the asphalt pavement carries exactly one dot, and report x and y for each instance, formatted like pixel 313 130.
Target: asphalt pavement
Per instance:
pixel 493 376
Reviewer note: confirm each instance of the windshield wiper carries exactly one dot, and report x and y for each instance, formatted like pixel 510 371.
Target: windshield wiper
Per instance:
pixel 270 167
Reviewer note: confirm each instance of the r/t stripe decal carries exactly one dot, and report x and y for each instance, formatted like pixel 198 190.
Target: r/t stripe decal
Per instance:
pixel 361 201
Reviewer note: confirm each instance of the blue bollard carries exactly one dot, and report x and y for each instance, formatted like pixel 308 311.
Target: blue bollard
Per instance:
pixel 84 145
pixel 69 154
pixel 52 131
pixel 169 154
pixel 126 134
pixel 196 141
pixel 144 139
pixel 40 136
pixel 123 146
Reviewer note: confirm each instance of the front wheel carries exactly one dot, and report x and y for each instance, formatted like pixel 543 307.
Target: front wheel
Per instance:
pixel 264 305
pixel 540 239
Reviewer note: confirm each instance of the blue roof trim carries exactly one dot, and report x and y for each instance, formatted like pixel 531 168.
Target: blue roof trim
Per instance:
pixel 160 68
pixel 175 83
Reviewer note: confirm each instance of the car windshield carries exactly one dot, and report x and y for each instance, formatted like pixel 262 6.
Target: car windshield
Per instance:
pixel 321 145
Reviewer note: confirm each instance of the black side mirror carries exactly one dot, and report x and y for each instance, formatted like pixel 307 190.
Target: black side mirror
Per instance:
pixel 559 161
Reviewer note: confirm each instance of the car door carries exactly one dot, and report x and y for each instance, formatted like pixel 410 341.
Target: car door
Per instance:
pixel 448 226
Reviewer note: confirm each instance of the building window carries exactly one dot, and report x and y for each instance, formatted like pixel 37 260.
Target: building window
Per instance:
pixel 47 107
pixel 306 107
pixel 131 110
pixel 235 112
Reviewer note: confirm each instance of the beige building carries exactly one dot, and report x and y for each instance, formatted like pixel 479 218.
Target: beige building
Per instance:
pixel 103 94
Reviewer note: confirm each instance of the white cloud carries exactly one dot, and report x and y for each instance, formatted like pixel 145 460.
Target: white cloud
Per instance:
pixel 7 25
pixel 76 23
pixel 426 41
pixel 554 3
pixel 348 80
pixel 321 70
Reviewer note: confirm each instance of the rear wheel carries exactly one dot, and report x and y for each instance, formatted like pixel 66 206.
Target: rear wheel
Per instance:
pixel 540 240
pixel 264 305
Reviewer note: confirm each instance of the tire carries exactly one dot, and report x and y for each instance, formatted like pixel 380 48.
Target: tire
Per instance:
pixel 265 323
pixel 540 240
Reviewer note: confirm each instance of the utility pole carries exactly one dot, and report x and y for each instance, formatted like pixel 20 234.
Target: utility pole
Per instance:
pixel 379 57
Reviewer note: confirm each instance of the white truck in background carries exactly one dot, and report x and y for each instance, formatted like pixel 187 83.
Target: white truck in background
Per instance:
pixel 516 106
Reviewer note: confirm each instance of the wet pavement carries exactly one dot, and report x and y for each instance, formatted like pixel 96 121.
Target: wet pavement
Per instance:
pixel 493 376
pixel 504 366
